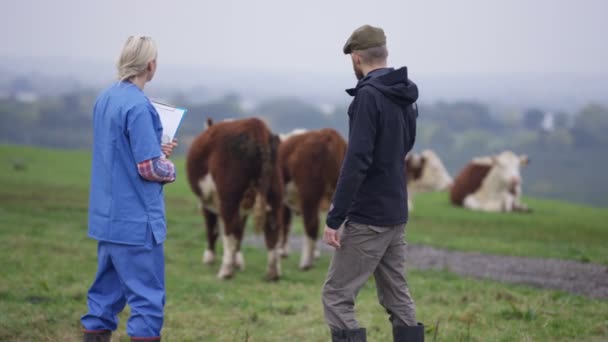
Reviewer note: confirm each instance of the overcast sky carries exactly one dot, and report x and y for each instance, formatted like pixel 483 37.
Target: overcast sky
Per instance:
pixel 429 36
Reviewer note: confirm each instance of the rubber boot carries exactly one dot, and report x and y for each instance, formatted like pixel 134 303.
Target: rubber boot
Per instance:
pixel 97 336
pixel 404 333
pixel 352 335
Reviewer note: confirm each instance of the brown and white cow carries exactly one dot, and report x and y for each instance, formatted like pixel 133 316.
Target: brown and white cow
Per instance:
pixel 233 169
pixel 491 184
pixel 425 173
pixel 310 164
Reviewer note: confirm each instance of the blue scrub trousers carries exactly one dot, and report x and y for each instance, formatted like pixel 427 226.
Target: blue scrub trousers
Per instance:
pixel 128 274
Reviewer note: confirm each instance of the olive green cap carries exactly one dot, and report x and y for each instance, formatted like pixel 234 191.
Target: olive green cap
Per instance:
pixel 365 37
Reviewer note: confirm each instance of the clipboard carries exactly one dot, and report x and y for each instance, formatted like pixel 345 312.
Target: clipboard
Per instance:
pixel 171 118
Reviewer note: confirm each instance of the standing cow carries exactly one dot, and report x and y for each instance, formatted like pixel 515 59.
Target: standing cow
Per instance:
pixel 232 167
pixel 310 164
pixel 491 184
pixel 425 173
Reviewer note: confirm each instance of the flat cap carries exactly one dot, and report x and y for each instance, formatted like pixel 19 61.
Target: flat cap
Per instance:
pixel 365 37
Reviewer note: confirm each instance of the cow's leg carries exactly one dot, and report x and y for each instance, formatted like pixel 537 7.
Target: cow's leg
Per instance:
pixel 230 236
pixel 239 259
pixel 273 270
pixel 410 202
pixel 508 202
pixel 283 241
pixel 492 204
pixel 518 205
pixel 212 234
pixel 470 202
pixel 230 248
pixel 310 215
pixel 231 188
pixel 273 229
pixel 317 250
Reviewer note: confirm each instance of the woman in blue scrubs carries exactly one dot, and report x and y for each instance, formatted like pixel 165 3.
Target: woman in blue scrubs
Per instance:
pixel 126 204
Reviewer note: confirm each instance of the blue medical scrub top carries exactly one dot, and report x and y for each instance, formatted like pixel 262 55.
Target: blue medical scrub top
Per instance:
pixel 123 207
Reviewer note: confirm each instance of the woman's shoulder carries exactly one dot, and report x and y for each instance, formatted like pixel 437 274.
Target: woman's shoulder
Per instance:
pixel 127 95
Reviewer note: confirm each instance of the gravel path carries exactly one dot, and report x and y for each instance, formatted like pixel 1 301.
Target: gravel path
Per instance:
pixel 570 276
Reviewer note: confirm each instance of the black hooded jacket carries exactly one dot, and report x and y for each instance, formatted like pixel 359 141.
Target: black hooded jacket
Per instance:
pixel 382 130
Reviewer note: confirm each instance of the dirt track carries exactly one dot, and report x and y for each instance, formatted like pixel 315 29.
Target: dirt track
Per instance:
pixel 570 276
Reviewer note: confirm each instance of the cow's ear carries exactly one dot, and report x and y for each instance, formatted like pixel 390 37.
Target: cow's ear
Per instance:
pixel 209 122
pixel 524 160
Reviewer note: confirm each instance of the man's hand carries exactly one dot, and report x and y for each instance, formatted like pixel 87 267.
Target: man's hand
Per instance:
pixel 168 148
pixel 331 237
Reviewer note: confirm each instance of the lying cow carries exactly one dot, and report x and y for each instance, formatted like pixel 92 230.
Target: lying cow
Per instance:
pixel 491 184
pixel 425 173
pixel 310 164
pixel 231 167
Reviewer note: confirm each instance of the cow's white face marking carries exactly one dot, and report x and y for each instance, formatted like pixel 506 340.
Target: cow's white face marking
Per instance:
pixel 209 193
pixel 501 188
pixel 297 131
pixel 434 176
pixel 507 168
pixel 228 262
pixel 308 250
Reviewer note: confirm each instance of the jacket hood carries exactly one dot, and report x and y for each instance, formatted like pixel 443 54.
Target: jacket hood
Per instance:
pixel 393 83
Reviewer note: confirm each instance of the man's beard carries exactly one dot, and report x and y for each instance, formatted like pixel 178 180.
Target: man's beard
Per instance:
pixel 358 73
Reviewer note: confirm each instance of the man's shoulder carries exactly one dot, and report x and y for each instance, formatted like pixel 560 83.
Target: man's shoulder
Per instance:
pixel 367 90
pixel 367 94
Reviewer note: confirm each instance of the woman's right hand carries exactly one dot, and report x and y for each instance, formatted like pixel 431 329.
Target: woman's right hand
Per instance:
pixel 168 148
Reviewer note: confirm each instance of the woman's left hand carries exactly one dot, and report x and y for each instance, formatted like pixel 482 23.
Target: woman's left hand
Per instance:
pixel 168 148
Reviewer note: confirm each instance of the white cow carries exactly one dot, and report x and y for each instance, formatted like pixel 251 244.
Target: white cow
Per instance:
pixel 492 184
pixel 425 173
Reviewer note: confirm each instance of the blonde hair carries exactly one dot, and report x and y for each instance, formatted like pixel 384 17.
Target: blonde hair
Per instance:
pixel 135 56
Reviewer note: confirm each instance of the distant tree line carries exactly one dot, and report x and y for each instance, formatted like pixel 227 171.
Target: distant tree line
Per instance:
pixel 65 121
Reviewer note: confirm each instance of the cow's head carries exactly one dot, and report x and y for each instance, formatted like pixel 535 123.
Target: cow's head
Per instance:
pixel 506 166
pixel 426 172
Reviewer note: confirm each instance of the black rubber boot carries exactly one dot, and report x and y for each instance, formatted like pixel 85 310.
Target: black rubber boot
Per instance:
pixel 97 336
pixel 353 335
pixel 404 333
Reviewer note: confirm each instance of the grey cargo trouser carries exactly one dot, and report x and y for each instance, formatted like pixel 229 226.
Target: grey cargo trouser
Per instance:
pixel 365 250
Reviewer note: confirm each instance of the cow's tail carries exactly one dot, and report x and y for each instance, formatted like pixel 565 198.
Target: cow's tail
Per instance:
pixel 195 169
pixel 196 161
pixel 267 154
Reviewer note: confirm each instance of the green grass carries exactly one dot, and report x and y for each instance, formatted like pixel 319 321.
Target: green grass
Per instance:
pixel 553 230
pixel 48 264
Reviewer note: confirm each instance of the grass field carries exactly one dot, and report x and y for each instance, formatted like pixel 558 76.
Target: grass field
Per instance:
pixel 48 263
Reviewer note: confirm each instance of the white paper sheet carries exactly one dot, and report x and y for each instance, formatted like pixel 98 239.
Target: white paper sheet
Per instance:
pixel 171 117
